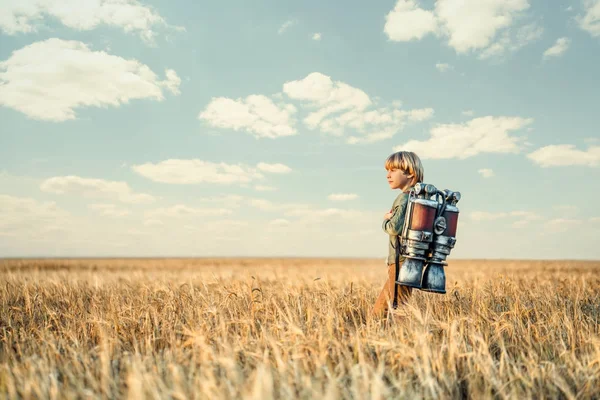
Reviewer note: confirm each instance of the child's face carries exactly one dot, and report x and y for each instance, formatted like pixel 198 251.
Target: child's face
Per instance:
pixel 398 179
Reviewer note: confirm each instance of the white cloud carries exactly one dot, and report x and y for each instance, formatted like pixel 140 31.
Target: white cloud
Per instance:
pixel 256 114
pixel 559 48
pixel 178 230
pixel 329 96
pixel 419 114
pixel 264 188
pixel 279 222
pixel 480 135
pixel 27 214
pixel 565 154
pixel 590 22
pixel 468 113
pixel 338 107
pixel 229 233
pixel 320 214
pixel 518 219
pixel 229 201
pixel 218 225
pixel 407 21
pixel 558 225
pixel 316 36
pixel 333 107
pixel 109 210
pixel 274 168
pixel 512 40
pixel 172 82
pixel 48 80
pixel 473 24
pixel 443 67
pixel 468 25
pixel 181 211
pixel 487 216
pixel 523 218
pixel 342 196
pixel 26 16
pixel 94 188
pixel 305 213
pixel 264 205
pixel 486 172
pixel 284 27
pixel 197 171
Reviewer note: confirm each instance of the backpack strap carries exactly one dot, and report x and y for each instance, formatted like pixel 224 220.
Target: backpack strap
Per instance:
pixel 395 302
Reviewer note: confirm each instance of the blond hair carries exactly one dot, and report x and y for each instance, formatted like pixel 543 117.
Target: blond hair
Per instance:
pixel 408 162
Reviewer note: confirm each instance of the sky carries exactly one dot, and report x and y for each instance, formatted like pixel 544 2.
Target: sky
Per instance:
pixel 260 128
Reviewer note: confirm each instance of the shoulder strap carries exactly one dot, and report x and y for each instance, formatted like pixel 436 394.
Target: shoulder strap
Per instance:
pixel 395 302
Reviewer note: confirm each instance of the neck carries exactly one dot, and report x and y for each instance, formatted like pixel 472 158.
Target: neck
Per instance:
pixel 407 188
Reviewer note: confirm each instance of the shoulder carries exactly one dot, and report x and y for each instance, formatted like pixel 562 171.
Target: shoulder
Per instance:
pixel 401 198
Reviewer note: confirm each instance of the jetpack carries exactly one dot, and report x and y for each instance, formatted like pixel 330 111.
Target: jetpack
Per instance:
pixel 428 236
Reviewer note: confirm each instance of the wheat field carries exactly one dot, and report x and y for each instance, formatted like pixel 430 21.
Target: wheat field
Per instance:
pixel 295 328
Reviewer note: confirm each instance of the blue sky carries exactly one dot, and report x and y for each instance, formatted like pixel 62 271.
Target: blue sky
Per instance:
pixel 147 128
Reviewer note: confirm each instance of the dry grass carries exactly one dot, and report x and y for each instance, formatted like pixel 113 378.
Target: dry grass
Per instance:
pixel 295 328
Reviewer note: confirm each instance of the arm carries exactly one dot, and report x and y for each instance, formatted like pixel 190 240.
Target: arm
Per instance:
pixel 394 225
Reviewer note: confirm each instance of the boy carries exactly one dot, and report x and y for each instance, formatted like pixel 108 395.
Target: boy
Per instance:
pixel 404 170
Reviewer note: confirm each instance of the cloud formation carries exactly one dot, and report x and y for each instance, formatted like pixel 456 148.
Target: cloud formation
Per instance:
pixel 559 225
pixel 486 172
pixel 562 155
pixel 25 16
pixel 338 107
pixel 264 188
pixel 274 168
pixel 407 21
pixel 285 26
pixel 590 21
pixel 512 40
pixel 558 49
pixel 342 196
pixel 48 80
pixel 333 107
pixel 256 114
pixel 94 188
pixel 518 219
pixel 468 25
pixel 180 211
pixel 443 67
pixel 25 213
pixel 479 135
pixel 109 210
pixel 177 171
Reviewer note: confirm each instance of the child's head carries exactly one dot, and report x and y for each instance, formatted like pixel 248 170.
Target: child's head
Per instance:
pixel 408 163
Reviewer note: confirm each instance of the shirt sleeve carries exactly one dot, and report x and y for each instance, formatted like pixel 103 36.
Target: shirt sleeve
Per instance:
pixel 394 225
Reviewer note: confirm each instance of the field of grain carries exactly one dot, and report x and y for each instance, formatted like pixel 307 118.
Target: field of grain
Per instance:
pixel 295 328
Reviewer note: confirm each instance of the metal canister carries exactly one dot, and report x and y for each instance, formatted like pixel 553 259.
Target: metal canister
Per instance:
pixel 417 234
pixel 445 226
